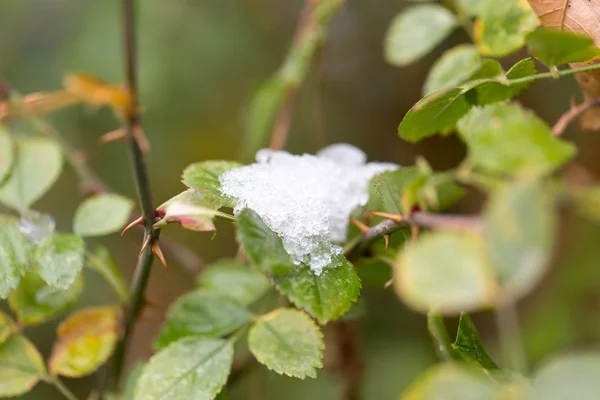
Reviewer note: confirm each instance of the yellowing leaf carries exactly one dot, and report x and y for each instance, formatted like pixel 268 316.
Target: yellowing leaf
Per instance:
pixel 96 92
pixel 85 341
pixel 39 103
pixel 21 366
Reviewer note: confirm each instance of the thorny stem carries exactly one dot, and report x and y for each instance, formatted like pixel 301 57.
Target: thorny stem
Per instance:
pixel 132 123
pixel 419 218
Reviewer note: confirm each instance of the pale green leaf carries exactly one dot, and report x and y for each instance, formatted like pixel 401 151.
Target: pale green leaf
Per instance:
pixel 519 233
pixel 191 368
pixel 288 342
pixel 102 262
pixel 201 313
pixel 416 31
pixel 445 271
pixel 450 381
pixel 102 214
pixel 469 345
pixel 493 92
pixel 14 256
pixel 204 176
pixel 37 165
pixel 21 366
pixel 7 327
pixel 504 138
pixel 35 302
pixel 454 67
pixel 193 209
pixel 231 278
pixel 327 296
pixel 86 340
pixel 6 154
pixel 263 247
pixel 575 376
pixel 501 27
pixel 132 378
pixel 437 329
pixel 59 259
pixel 554 47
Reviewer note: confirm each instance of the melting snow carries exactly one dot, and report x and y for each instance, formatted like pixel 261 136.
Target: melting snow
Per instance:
pixel 306 199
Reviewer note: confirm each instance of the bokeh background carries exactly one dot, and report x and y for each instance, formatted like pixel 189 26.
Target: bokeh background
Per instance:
pixel 200 63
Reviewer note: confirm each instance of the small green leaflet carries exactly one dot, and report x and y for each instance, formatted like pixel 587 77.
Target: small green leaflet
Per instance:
pixel 554 47
pixel 14 256
pixel 469 346
pixel 21 366
pixel 102 214
pixel 59 259
pixel 204 176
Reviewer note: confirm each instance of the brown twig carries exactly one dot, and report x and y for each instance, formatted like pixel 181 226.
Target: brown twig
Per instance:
pixel 348 361
pixel 469 223
pixel 574 112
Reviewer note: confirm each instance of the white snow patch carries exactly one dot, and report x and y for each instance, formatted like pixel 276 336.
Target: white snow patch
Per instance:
pixel 306 199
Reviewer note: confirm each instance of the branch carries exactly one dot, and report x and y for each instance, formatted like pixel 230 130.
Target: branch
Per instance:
pixel 470 223
pixel 574 112
pixel 308 39
pixel 133 125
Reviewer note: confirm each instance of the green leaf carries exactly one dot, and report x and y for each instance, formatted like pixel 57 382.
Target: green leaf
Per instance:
pixel 191 368
pixel 454 67
pixel 21 366
pixel 416 31
pixel 59 259
pixel 439 111
pixel 519 232
pixel 102 214
pixel 437 329
pixel 493 92
pixel 102 262
pixel 35 302
pixel 37 165
pixel 263 247
pixel 6 154
pixel 390 187
pixel 470 7
pixel 504 138
pixel 501 27
pixel 288 342
pixel 469 345
pixel 453 382
pixel 204 176
pixel 14 256
pixel 554 47
pixel 7 327
pixel 569 376
pixel 327 296
pixel 86 340
pixel 233 279
pixel 193 209
pixel 201 313
pixel 445 271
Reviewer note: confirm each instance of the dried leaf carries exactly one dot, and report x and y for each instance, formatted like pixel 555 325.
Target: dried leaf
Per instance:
pixel 581 17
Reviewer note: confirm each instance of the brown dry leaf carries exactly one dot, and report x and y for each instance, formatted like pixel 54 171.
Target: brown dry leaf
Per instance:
pixel 581 17
pixel 37 104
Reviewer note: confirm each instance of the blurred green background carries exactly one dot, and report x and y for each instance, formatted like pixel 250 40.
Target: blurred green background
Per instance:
pixel 200 63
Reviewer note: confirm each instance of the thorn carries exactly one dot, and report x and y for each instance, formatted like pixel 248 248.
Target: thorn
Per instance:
pixel 146 309
pixel 146 243
pixel 141 140
pixel 363 228
pixel 414 233
pixel 158 252
pixel 393 217
pixel 117 134
pixel 387 243
pixel 139 221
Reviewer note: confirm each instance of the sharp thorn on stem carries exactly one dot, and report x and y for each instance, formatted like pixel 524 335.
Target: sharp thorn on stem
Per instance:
pixel 387 243
pixel 414 232
pixel 117 134
pixel 393 217
pixel 363 228
pixel 146 243
pixel 158 252
pixel 138 221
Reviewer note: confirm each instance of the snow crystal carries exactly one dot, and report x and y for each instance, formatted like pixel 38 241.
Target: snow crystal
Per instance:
pixel 306 199
pixel 36 226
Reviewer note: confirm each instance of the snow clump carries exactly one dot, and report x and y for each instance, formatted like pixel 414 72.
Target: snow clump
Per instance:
pixel 306 199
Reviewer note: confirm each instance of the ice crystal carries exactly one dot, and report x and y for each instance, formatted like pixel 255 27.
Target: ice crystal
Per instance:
pixel 306 199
